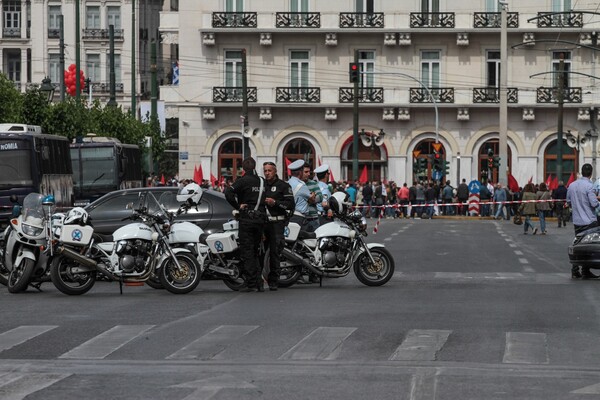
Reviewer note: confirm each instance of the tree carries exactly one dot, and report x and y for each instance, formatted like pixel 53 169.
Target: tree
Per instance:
pixel 10 101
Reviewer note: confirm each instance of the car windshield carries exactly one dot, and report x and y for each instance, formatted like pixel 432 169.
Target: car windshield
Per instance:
pixel 33 212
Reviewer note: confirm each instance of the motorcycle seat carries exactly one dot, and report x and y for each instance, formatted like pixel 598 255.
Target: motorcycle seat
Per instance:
pixel 306 235
pixel 103 238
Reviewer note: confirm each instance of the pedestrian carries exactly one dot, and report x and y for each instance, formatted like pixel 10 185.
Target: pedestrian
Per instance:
pixel 280 205
pixel 462 192
pixel 484 197
pixel 527 207
pixel 420 199
pixel 447 195
pixel 351 192
pixel 542 206
pixel 312 218
pixel 559 195
pixel 378 198
pixel 403 197
pixel 584 202
pixel 325 213
pixel 499 200
pixel 412 198
pixel 302 195
pixel 429 200
pixel 367 194
pixel 247 196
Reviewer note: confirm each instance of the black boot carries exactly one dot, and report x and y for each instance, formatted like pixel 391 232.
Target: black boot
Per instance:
pixel 575 273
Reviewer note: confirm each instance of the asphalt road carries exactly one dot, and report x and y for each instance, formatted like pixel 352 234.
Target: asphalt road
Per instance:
pixel 476 310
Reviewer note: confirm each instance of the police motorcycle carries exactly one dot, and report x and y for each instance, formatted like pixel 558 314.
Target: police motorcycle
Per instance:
pixel 138 252
pixel 16 211
pixel 27 244
pixel 218 252
pixel 334 249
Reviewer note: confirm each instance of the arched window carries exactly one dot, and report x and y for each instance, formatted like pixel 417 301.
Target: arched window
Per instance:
pixel 297 149
pixel 486 173
pixel 230 159
pixel 373 158
pixel 569 161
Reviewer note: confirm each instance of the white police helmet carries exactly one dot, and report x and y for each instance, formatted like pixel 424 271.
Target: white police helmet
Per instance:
pixel 191 194
pixel 76 215
pixel 338 203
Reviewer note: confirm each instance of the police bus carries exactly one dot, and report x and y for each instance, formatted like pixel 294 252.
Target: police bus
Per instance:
pixel 31 161
pixel 102 165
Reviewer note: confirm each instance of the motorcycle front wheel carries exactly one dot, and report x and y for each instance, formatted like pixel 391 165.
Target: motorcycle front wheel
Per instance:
pixel 154 282
pixel 19 277
pixel 289 273
pixel 4 272
pixel 180 280
pixel 69 281
pixel 376 274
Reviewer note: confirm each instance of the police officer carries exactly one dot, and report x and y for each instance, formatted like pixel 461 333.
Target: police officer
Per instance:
pixel 325 213
pixel 280 203
pixel 302 195
pixel 247 195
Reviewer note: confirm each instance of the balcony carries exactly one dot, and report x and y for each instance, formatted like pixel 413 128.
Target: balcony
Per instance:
pixel 492 95
pixel 298 95
pixel 440 95
pixel 432 20
pixel 53 33
pixel 492 20
pixel 233 94
pixel 560 20
pixel 298 20
pixel 102 34
pixel 104 88
pixel 234 20
pixel 550 95
pixel 11 32
pixel 365 95
pixel 361 20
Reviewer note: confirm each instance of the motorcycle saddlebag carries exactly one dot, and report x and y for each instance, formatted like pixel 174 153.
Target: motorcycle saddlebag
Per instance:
pixel 76 235
pixel 221 242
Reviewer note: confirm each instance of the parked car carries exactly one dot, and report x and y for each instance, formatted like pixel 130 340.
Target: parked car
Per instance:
pixel 109 211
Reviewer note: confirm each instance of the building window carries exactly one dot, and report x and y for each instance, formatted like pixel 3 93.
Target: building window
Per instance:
pixel 299 66
pixel 54 68
pixel 234 5
pixel 14 66
pixel 298 5
pixel 113 16
pixel 230 159
pixel 364 6
pixel 366 59
pixel 54 12
pixel 425 149
pixel 92 17
pixel 117 68
pixel 430 68
pixel 297 149
pixel 93 67
pixel 233 68
pixel 430 6
pixel 12 14
pixel 569 161
pixel 493 68
pixel 556 56
pixel 561 5
pixel 492 6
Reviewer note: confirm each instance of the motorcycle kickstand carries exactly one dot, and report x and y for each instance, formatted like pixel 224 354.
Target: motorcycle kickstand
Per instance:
pixel 320 280
pixel 121 286
pixel 36 286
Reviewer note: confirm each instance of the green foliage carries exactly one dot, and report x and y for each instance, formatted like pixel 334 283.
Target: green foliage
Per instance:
pixel 10 101
pixel 35 107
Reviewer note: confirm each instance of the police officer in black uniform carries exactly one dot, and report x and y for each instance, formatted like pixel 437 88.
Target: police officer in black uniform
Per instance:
pixel 280 205
pixel 247 194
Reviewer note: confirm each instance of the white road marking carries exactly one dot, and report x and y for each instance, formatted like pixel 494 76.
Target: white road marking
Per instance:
pixel 19 335
pixel 18 386
pixel 214 342
pixel 421 345
pixel 518 252
pixel 525 348
pixel 324 343
pixel 106 343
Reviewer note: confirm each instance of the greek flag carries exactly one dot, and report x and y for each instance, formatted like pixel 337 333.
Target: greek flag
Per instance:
pixel 175 73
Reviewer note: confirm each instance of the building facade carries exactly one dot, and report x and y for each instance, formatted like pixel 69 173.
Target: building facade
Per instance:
pixel 415 57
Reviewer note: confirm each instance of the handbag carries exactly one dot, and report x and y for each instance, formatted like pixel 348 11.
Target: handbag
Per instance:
pixel 517 220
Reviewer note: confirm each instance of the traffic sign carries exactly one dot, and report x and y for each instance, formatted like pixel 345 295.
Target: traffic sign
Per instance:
pixel 475 186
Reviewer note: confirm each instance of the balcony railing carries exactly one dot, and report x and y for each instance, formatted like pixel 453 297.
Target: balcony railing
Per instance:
pixel 298 20
pixel 560 20
pixel 492 20
pixel 234 20
pixel 365 95
pixel 432 20
pixel 11 32
pixel 492 95
pixel 298 95
pixel 550 95
pixel 93 33
pixel 233 94
pixel 104 87
pixel 361 20
pixel 53 33
pixel 440 95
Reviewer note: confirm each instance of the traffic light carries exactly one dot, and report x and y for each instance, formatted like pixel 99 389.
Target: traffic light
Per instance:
pixel 490 162
pixel 416 166
pixel 423 162
pixel 446 170
pixel 496 162
pixel 437 162
pixel 354 71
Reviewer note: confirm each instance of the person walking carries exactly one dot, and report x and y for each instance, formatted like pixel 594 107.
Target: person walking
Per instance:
pixel 542 206
pixel 247 196
pixel 280 204
pixel 447 195
pixel 367 194
pixel 527 207
pixel 403 197
pixel 462 192
pixel 499 200
pixel 584 202
pixel 559 195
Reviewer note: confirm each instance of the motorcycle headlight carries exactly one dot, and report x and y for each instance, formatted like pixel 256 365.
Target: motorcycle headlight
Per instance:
pixel 31 230
pixel 591 238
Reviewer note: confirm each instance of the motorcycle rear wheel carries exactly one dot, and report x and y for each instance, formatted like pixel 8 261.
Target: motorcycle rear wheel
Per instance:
pixel 19 277
pixel 236 282
pixel 68 282
pixel 288 273
pixel 375 274
pixel 154 282
pixel 4 272
pixel 180 280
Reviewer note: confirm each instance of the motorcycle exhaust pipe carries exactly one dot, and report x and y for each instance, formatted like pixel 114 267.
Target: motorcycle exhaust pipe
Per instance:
pixel 297 259
pixel 83 260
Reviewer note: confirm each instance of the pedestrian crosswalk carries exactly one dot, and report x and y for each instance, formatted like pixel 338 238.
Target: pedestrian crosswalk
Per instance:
pixel 319 344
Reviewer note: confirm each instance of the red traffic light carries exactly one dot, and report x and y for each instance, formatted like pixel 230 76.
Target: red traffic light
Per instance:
pixel 437 156
pixel 354 67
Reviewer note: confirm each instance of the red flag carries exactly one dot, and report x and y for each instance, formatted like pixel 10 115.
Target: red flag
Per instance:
pixel 213 180
pixel 554 183
pixel 200 174
pixel 530 179
pixel 287 163
pixel 571 179
pixel 162 179
pixel 363 176
pixel 513 185
pixel 331 178
pixel 222 182
pixel 195 172
pixel 549 180
pixel 319 161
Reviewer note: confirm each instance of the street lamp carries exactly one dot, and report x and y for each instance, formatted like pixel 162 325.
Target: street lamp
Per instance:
pixel 372 140
pixel 47 88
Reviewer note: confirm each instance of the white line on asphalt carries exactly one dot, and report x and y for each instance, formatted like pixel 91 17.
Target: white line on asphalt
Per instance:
pixel 324 343
pixel 19 335
pixel 106 343
pixel 423 384
pixel 528 269
pixel 421 345
pixel 518 252
pixel 17 386
pixel 525 348
pixel 387 239
pixel 512 245
pixel 523 261
pixel 214 342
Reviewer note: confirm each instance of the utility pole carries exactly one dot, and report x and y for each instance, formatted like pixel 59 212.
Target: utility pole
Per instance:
pixel 133 56
pixel 112 102
pixel 154 83
pixel 77 53
pixel 503 112
pixel 560 98
pixel 355 121
pixel 61 56
pixel 245 140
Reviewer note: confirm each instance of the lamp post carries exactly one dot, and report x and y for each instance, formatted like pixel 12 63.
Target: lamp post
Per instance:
pixel 578 141
pixel 372 140
pixel 47 88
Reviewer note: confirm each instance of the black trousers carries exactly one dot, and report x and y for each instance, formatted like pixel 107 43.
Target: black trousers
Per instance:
pixel 250 236
pixel 275 241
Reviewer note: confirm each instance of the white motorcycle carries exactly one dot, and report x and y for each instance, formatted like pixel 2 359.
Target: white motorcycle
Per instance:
pixel 27 249
pixel 334 249
pixel 138 252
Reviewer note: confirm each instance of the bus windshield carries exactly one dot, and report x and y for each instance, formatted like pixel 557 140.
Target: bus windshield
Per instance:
pixel 15 164
pixel 99 168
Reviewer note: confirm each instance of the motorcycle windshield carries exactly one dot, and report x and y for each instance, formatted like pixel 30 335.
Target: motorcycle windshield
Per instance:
pixel 155 207
pixel 33 211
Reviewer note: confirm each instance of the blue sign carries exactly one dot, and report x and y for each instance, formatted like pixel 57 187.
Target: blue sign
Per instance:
pixel 436 175
pixel 474 187
pixel 183 155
